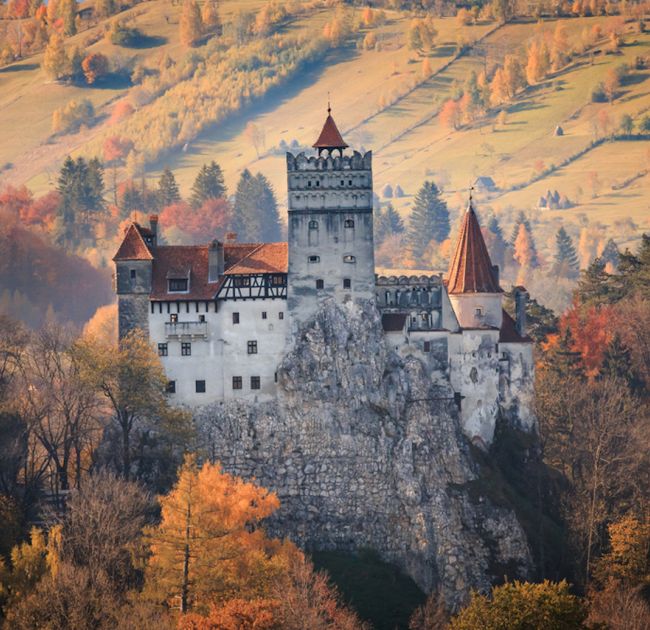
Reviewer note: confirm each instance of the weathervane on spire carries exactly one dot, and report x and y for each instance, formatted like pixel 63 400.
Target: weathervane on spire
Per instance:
pixel 329 106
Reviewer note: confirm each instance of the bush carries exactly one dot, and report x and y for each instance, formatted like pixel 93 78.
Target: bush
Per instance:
pixel 644 125
pixel 70 117
pixel 387 192
pixel 122 35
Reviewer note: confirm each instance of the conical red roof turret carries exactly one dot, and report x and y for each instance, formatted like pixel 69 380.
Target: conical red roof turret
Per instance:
pixel 330 137
pixel 471 269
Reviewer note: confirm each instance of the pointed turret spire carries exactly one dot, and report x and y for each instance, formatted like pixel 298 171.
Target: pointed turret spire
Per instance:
pixel 471 269
pixel 330 137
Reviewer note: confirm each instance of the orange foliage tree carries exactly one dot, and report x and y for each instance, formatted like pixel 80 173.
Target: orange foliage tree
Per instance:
pixel 209 546
pixel 121 110
pixel 450 114
pixel 211 220
pixel 94 66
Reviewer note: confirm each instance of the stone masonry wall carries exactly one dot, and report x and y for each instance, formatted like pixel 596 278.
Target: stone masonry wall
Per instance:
pixel 365 451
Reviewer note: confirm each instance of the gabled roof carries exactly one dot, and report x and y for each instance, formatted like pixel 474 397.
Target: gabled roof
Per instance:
pixel 192 261
pixel 133 246
pixel 330 137
pixel 471 269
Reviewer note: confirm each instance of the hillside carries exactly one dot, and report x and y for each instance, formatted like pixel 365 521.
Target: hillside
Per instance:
pixel 387 99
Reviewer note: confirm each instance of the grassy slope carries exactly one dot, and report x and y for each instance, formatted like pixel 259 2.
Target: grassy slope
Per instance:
pixel 409 143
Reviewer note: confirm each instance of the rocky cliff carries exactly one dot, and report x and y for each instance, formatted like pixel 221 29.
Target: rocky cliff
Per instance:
pixel 365 451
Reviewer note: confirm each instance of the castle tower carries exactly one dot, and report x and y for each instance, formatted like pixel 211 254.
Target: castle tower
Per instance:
pixel 472 281
pixel 331 251
pixel 133 277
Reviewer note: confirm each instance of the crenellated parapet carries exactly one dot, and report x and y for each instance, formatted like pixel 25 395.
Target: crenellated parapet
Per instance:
pixel 329 162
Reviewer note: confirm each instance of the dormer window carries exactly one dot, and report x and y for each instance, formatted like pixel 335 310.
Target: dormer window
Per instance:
pixel 178 285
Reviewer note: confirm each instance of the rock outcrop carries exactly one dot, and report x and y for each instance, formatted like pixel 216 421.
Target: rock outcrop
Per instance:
pixel 365 450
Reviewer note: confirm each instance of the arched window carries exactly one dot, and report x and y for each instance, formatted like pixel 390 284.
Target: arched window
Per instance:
pixel 349 259
pixel 348 223
pixel 313 225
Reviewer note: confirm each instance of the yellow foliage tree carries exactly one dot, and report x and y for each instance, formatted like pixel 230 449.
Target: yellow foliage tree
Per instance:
pixel 190 24
pixel 513 75
pixel 210 16
pixel 629 557
pixel 209 547
pixel 55 61
pixel 538 62
pixel 498 88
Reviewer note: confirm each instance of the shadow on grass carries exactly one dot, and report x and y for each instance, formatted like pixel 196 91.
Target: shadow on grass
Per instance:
pixel 19 67
pixel 142 42
pixel 446 50
pixel 526 106
pixel 113 81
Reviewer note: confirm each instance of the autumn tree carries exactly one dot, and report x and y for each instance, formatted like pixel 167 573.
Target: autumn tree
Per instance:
pixel 209 546
pixel 560 49
pixel 566 258
pixel 185 225
pixel 522 605
pixel 133 383
pixel 190 24
pixel 55 60
pixel 429 220
pixel 611 84
pixel 210 16
pixel 68 11
pixel 209 184
pixel 450 114
pixel 94 66
pixel 538 63
pixel 513 75
pixel 525 252
pixel 499 88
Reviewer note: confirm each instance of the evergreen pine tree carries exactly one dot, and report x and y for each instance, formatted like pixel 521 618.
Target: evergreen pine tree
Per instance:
pixel 495 242
pixel 168 192
pixel 521 218
pixel 566 258
pixel 596 287
pixel 67 188
pixel 256 216
pixel 429 220
pixel 617 363
pixel 209 184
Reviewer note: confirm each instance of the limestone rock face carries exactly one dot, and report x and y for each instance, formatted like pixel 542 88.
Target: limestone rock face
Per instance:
pixel 366 451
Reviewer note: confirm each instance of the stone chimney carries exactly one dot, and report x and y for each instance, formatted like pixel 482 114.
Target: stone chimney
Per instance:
pixel 153 224
pixel 215 261
pixel 521 301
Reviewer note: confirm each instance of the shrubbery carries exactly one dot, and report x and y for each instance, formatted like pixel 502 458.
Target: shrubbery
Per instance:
pixel 71 116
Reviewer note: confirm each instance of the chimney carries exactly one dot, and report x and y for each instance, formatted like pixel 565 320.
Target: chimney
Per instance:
pixel 215 261
pixel 231 237
pixel 521 300
pixel 153 224
pixel 495 273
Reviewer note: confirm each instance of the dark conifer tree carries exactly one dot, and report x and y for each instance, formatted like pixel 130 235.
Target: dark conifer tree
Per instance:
pixel 256 216
pixel 521 218
pixel 596 287
pixel 209 184
pixel 429 220
pixel 617 363
pixel 566 258
pixel 610 253
pixel 496 243
pixel 168 192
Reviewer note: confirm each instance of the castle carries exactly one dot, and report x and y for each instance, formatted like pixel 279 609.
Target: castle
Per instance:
pixel 223 315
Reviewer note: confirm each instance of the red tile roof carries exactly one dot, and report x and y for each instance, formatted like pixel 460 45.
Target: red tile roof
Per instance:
pixel 508 332
pixel 239 258
pixel 330 137
pixel 133 246
pixel 471 269
pixel 265 258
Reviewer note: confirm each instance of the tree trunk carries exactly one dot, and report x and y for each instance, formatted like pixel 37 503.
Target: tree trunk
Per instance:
pixel 126 447
pixel 186 561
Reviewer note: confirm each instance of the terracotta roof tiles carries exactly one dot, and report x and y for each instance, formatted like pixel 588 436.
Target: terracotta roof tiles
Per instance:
pixel 471 268
pixel 133 246
pixel 509 333
pixel 330 137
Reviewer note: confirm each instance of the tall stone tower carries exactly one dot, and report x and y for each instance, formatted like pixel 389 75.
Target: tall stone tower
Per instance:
pixel 133 277
pixel 330 235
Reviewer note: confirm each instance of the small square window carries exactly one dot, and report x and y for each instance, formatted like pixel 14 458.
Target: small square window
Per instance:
pixel 263 314
pixel 236 382
pixel 314 259
pixel 200 387
pixel 255 382
pixel 252 347
pixel 319 284
pixel 162 349
pixel 186 349
pixel 170 387
pixel 348 223
pixel 347 283
pixel 132 274
pixel 427 346
pixel 349 259
pixel 235 318
pixel 202 318
pixel 281 315
pixel 478 312
pixel 173 318
pixel 313 225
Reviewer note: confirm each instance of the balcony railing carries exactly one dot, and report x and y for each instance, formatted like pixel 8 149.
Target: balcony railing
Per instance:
pixel 192 330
